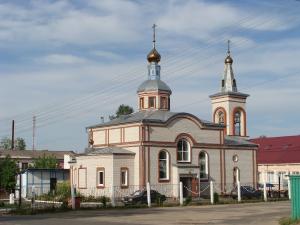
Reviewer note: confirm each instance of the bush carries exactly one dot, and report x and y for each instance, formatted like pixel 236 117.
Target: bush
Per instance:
pixel 104 200
pixel 216 197
pixel 63 191
pixel 288 221
pixel 188 200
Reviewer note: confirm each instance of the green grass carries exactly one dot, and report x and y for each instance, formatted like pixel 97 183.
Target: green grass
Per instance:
pixel 288 221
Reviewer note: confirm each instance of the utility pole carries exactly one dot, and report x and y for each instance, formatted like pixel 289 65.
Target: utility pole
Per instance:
pixel 33 132
pixel 13 135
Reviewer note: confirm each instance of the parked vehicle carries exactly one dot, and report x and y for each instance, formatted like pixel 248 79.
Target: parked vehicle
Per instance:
pixel 268 185
pixel 247 192
pixel 140 197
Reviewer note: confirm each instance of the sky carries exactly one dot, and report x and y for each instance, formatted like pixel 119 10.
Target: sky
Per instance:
pixel 70 62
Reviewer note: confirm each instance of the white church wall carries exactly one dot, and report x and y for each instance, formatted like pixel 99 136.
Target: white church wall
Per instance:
pixel 213 162
pixel 123 161
pixel 114 135
pixel 99 137
pixel 136 162
pixel 187 126
pixel 89 165
pixel 244 163
pixel 131 134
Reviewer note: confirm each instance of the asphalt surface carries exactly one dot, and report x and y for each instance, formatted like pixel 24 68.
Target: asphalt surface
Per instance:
pixel 255 213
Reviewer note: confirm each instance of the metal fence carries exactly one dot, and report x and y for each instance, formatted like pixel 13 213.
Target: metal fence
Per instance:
pixel 152 194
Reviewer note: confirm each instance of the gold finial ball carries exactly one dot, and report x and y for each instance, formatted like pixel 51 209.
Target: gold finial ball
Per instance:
pixel 228 59
pixel 153 56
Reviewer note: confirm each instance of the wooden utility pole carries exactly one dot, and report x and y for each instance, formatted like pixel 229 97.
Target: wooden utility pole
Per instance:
pixel 33 132
pixel 13 135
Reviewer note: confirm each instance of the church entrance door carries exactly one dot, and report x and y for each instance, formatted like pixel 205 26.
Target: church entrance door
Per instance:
pixel 190 186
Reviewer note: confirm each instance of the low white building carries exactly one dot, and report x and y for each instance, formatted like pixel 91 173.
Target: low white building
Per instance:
pixel 163 148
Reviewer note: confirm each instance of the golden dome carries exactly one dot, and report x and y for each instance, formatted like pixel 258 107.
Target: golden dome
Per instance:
pixel 228 59
pixel 153 56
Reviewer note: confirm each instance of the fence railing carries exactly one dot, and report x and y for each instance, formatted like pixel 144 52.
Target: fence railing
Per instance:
pixel 181 193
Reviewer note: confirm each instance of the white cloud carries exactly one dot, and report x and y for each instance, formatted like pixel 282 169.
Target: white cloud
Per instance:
pixel 107 55
pixel 61 59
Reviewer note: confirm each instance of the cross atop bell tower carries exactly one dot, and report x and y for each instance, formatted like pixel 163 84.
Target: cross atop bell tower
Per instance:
pixel 154 94
pixel 229 105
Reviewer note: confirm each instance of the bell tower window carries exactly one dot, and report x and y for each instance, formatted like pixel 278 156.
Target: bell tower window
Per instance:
pixel 163 103
pixel 237 123
pixel 141 103
pixel 151 102
pixel 221 118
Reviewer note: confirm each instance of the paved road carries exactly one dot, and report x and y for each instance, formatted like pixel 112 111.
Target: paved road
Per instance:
pixel 255 213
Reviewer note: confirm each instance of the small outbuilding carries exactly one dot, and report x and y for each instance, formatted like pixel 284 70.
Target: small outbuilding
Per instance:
pixel 41 180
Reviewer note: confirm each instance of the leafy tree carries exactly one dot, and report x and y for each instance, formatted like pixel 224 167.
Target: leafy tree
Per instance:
pixel 8 173
pixel 122 110
pixel 45 162
pixel 18 145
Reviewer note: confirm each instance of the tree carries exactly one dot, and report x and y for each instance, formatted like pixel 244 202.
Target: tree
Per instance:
pixel 19 144
pixel 45 162
pixel 122 110
pixel 8 173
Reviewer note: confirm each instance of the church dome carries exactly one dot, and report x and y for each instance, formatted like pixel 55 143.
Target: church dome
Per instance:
pixel 228 59
pixel 153 85
pixel 153 56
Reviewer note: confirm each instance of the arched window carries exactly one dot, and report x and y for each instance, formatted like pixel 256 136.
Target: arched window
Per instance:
pixel 183 151
pixel 237 123
pixel 221 117
pixel 163 159
pixel 236 175
pixel 203 164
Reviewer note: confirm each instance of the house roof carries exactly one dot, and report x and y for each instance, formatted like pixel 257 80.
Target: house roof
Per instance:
pixel 29 154
pixel 275 150
pixel 108 150
pixel 150 116
pixel 238 141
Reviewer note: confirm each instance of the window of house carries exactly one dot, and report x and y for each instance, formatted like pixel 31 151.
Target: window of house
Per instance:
pixel 163 102
pixel 221 118
pixel 100 177
pixel 163 165
pixel 237 123
pixel 141 103
pixel 270 177
pixel 203 164
pixel 124 177
pixel 151 102
pixel 183 151
pixel 24 166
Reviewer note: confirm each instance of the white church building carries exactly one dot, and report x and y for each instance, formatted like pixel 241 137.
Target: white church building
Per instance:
pixel 162 147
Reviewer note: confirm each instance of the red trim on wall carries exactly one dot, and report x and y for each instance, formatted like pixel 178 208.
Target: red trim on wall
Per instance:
pixel 169 162
pixel 190 140
pixel 225 117
pixel 208 165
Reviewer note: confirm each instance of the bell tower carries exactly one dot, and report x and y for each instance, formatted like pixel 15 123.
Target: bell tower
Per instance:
pixel 154 94
pixel 229 105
